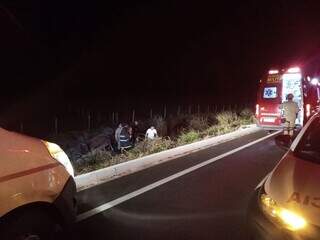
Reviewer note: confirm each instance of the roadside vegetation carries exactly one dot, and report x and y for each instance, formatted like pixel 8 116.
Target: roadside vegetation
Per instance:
pixel 187 129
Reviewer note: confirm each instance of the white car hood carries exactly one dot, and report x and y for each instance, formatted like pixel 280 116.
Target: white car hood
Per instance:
pixel 295 184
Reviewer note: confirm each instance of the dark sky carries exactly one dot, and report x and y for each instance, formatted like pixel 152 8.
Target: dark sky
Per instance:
pixel 129 53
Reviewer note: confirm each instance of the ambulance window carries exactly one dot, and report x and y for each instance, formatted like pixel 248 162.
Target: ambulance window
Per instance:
pixel 270 92
pixel 309 146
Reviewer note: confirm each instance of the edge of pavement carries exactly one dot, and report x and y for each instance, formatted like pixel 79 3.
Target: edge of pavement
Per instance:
pixel 107 174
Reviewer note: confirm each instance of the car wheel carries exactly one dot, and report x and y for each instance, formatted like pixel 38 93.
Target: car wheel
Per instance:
pixel 32 224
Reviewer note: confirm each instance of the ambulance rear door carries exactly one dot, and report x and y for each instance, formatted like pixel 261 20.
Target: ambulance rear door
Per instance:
pixel 292 83
pixel 269 99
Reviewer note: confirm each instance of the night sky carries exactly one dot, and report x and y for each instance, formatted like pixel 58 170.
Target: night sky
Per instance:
pixel 136 54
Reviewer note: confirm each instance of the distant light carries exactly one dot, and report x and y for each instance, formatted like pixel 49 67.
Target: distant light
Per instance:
pixel 314 81
pixel 292 76
pixel 294 70
pixel 273 71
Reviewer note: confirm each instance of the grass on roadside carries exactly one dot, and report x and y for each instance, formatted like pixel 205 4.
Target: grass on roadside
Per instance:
pixel 198 128
pixel 188 137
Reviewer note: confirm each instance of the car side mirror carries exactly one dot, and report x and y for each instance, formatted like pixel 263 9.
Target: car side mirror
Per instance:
pixel 283 141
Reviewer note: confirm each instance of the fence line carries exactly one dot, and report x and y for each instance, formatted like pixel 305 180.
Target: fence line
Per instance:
pixel 88 120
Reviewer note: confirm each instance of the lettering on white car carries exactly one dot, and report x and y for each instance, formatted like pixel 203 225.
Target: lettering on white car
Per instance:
pixel 304 199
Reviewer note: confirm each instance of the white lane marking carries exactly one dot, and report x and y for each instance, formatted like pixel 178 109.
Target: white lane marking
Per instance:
pixel 154 185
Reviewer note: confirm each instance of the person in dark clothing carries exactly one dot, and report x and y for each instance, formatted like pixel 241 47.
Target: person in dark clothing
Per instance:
pixel 134 132
pixel 124 138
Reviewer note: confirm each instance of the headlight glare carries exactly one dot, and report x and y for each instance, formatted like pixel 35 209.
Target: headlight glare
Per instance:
pixel 288 218
pixel 57 153
pixel 293 221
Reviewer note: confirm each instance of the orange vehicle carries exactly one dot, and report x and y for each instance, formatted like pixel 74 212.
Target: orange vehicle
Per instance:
pixel 273 89
pixel 37 196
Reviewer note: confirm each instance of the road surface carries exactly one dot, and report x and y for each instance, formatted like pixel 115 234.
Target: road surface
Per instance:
pixel 177 200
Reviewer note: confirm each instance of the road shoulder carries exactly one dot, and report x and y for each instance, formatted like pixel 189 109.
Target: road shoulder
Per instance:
pixel 100 176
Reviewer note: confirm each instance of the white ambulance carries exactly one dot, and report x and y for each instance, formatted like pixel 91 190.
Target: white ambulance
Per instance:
pixel 286 204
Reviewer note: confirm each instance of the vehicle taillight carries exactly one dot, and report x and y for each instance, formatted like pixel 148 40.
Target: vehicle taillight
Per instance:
pixel 308 110
pixel 257 110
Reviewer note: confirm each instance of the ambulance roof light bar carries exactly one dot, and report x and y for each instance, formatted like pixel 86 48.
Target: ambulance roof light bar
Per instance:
pixel 273 71
pixel 294 70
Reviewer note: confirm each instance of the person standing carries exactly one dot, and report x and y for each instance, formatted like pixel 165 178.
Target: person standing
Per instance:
pixel 117 135
pixel 290 111
pixel 151 133
pixel 124 138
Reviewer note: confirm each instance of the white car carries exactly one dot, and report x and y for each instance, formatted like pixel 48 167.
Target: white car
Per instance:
pixel 286 204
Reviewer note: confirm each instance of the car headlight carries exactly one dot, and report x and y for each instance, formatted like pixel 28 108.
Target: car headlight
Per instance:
pixel 288 218
pixel 57 153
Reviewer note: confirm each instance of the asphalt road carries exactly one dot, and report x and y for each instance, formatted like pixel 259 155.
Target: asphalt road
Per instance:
pixel 207 203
